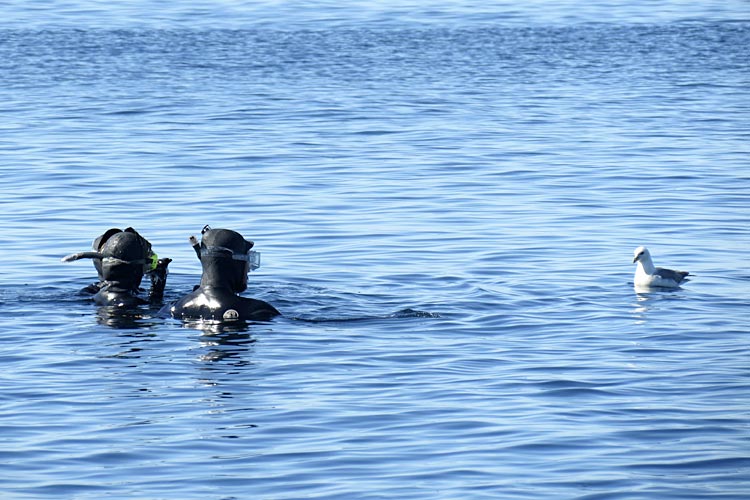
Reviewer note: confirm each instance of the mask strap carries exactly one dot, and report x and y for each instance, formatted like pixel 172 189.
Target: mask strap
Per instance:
pixel 115 260
pixel 228 253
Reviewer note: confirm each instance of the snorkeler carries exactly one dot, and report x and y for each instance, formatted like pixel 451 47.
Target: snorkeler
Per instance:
pixel 226 259
pixel 121 258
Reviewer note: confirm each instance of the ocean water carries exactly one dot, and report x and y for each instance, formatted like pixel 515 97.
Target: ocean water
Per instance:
pixel 446 198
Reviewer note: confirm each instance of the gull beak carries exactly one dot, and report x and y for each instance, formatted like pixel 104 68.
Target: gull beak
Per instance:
pixel 636 258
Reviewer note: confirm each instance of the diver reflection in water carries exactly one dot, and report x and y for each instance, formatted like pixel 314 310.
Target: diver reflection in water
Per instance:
pixel 229 342
pixel 226 259
pixel 121 259
pixel 125 318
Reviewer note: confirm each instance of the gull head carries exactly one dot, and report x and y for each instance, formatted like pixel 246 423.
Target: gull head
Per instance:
pixel 641 254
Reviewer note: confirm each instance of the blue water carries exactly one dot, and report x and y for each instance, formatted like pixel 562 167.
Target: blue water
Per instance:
pixel 446 198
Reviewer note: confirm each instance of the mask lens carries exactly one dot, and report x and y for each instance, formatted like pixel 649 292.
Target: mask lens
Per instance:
pixel 253 260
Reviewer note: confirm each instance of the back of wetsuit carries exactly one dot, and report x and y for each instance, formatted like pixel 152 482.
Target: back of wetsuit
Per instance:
pixel 224 259
pixel 222 305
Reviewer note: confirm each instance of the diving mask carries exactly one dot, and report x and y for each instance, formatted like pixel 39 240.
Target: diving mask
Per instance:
pixel 251 256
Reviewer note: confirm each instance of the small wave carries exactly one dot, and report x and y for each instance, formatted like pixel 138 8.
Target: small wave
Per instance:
pixel 400 314
pixel 413 313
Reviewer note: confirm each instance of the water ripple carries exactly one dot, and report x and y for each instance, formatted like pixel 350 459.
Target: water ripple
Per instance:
pixel 446 212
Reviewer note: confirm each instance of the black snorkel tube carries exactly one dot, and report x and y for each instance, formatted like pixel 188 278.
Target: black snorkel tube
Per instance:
pixel 82 255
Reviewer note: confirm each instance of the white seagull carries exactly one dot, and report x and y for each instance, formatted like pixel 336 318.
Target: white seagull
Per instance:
pixel 647 276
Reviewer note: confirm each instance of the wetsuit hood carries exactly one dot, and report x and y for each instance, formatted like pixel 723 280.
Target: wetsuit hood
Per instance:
pixel 97 246
pixel 120 257
pixel 124 258
pixel 223 255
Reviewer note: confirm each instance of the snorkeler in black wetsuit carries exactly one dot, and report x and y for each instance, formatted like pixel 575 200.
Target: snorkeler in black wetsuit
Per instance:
pixel 121 259
pixel 225 259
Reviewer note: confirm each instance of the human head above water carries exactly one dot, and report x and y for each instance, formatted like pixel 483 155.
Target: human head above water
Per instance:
pixel 120 257
pixel 224 255
pixel 97 246
pixel 126 256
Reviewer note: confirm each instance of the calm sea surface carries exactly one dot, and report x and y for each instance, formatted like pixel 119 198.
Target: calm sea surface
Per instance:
pixel 446 198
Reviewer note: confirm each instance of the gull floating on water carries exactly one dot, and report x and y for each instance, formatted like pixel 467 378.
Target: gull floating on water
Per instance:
pixel 647 276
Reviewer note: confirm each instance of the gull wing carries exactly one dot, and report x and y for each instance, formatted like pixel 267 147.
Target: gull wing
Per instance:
pixel 671 274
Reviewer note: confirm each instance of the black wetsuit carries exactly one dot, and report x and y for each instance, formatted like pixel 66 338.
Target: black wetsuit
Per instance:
pixel 121 258
pixel 223 255
pixel 113 293
pixel 221 304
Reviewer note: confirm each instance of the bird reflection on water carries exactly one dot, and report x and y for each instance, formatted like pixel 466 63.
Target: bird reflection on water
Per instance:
pixel 650 300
